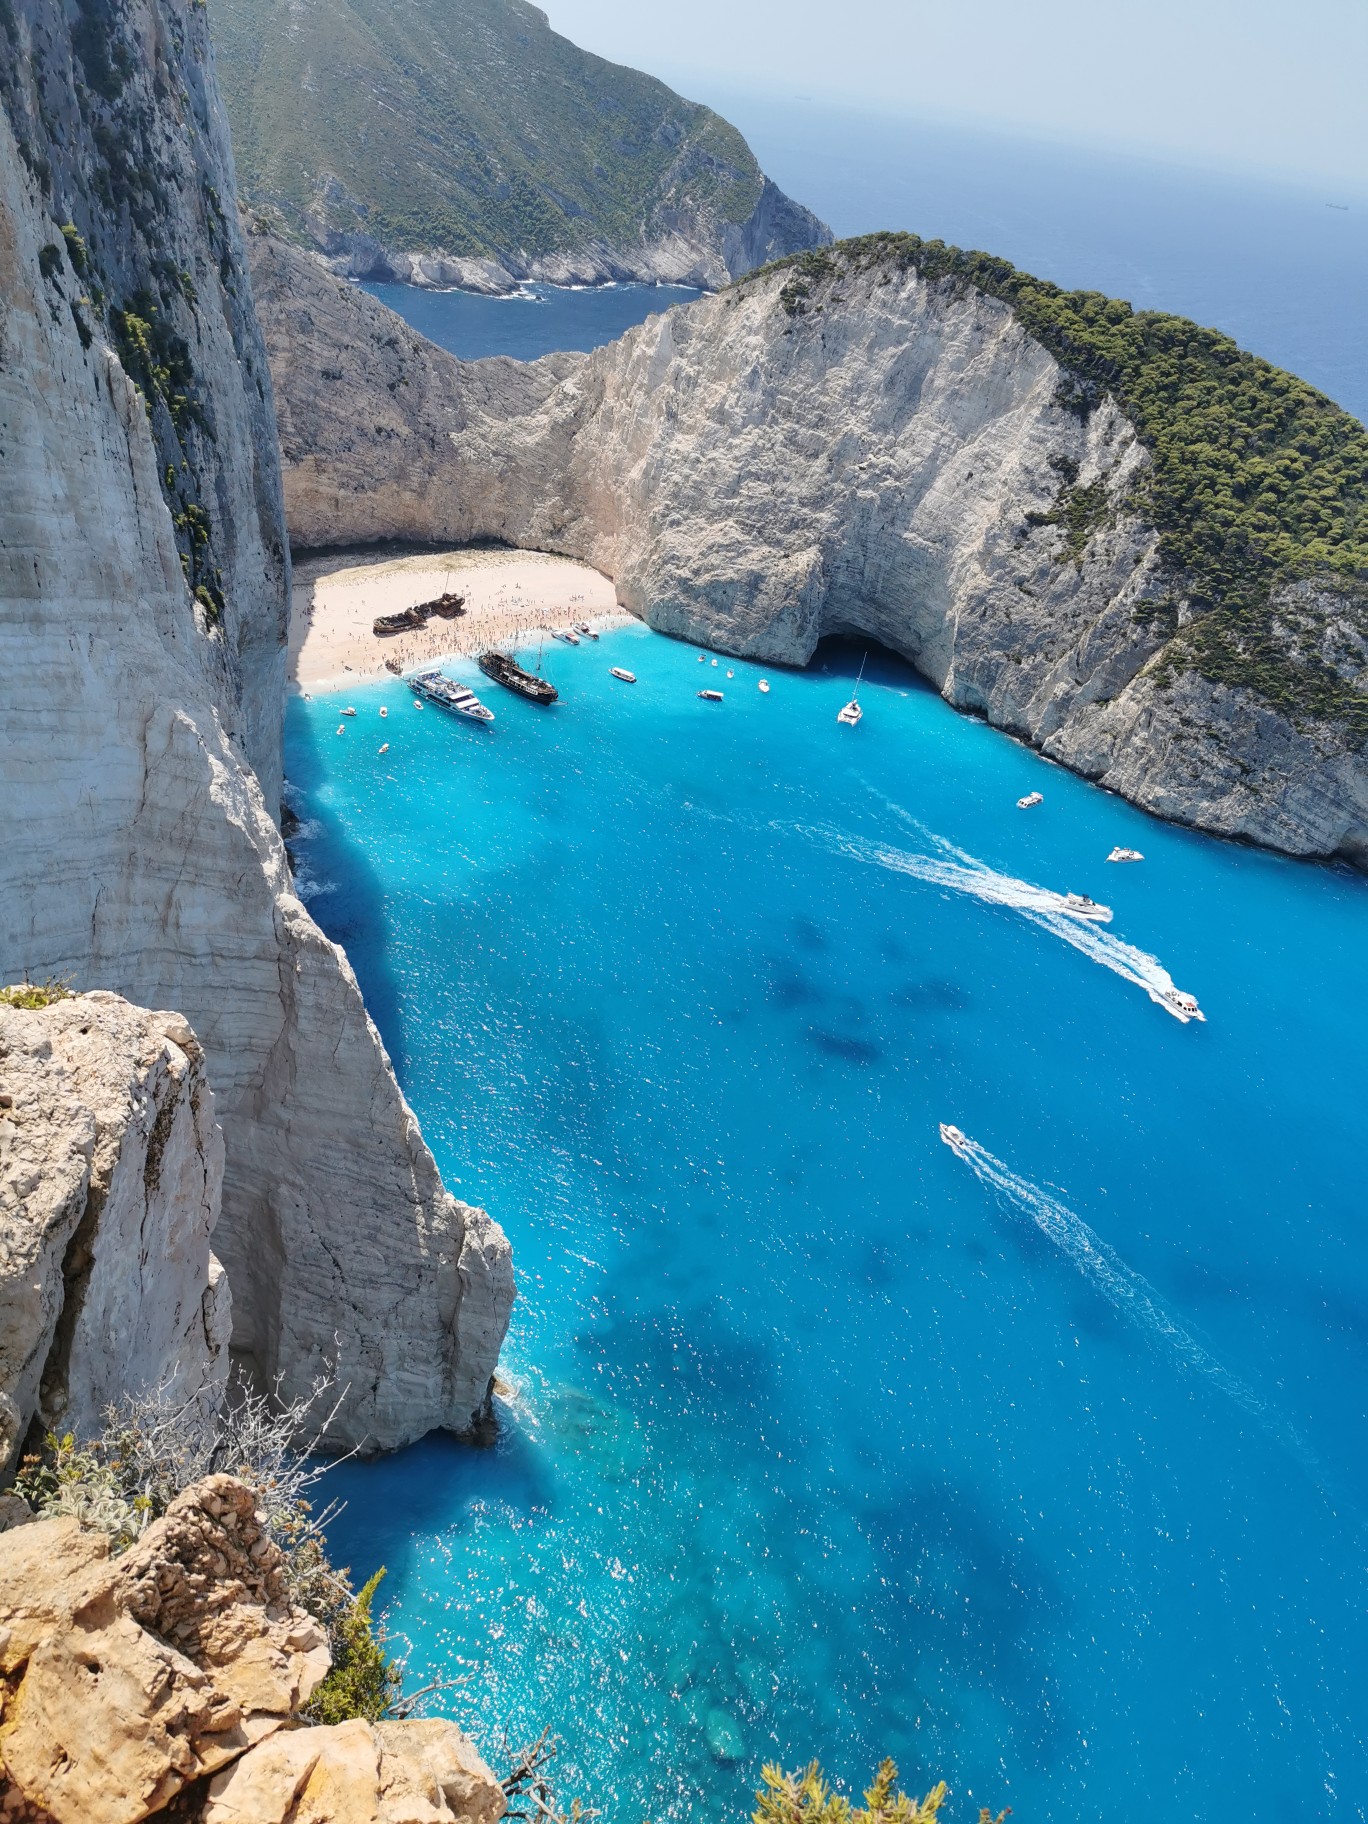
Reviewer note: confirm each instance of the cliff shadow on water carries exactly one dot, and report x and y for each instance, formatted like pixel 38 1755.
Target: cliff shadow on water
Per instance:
pixel 338 882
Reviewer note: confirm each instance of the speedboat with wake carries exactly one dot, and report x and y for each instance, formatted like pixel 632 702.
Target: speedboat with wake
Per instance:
pixel 507 671
pixel 952 1136
pixel 1078 905
pixel 459 698
pixel 1182 1006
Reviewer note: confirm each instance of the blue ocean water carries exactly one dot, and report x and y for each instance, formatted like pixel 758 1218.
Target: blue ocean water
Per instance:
pixel 1038 1465
pixel 531 322
pixel 1282 267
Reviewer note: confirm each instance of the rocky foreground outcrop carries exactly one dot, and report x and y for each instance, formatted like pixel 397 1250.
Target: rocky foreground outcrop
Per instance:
pixel 142 620
pixel 169 1682
pixel 869 452
pixel 111 1174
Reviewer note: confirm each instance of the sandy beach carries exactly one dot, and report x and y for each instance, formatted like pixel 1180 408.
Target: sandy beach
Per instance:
pixel 507 593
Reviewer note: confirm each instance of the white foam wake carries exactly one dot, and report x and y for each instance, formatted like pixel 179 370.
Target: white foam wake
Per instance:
pixel 963 873
pixel 1124 1289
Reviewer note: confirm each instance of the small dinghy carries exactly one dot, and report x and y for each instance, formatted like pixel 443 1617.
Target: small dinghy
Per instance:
pixel 1030 801
pixel 1125 855
pixel 616 671
pixel 383 711
pixel 711 696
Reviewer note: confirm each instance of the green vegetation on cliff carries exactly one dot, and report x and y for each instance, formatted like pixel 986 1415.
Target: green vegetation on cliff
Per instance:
pixel 1255 480
pixel 465 125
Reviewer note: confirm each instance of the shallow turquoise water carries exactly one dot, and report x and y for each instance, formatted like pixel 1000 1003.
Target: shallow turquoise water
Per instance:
pixel 1043 1470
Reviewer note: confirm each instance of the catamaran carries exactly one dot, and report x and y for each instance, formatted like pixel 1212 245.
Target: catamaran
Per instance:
pixel 852 712
pixel 438 688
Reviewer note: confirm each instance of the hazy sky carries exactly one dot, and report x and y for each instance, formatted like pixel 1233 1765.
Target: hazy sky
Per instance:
pixel 1278 84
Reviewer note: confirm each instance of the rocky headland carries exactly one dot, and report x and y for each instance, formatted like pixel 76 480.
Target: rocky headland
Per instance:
pixel 143 604
pixel 470 145
pixel 925 448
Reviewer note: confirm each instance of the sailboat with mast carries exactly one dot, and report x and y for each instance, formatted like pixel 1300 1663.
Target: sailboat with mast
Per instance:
pixel 852 712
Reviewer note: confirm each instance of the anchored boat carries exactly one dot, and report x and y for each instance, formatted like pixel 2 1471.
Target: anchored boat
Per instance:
pixel 852 712
pixel 506 671
pixel 438 688
pixel 567 634
pixel 1125 855
pixel 1030 801
pixel 711 696
pixel 616 671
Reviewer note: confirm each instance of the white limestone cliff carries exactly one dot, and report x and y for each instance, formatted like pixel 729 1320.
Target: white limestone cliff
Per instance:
pixel 756 479
pixel 140 771
pixel 111 1173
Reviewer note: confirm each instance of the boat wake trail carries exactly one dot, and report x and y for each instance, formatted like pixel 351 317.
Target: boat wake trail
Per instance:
pixel 1124 1289
pixel 962 873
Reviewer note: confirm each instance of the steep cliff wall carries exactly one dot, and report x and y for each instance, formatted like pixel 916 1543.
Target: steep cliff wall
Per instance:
pixel 867 449
pixel 111 1172
pixel 142 612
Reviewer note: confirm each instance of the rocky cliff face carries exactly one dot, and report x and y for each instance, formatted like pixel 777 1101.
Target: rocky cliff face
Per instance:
pixel 168 1683
pixel 887 455
pixel 111 1172
pixel 142 613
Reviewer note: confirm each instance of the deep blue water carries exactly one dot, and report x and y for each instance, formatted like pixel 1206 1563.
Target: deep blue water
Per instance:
pixel 530 323
pixel 1043 1469
pixel 1281 267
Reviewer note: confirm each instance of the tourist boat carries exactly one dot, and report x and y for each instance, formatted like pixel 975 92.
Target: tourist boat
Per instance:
pixel 438 688
pixel 852 712
pixel 1182 1006
pixel 952 1136
pixel 1030 801
pixel 1078 905
pixel 616 671
pixel 1125 855
pixel 711 696
pixel 567 634
pixel 348 711
pixel 584 628
pixel 507 671
pixel 763 685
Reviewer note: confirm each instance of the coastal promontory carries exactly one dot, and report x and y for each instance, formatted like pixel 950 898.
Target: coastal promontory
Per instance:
pixel 1113 534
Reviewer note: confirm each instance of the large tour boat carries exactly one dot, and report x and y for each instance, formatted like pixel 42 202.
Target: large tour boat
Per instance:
pixel 506 671
pixel 438 688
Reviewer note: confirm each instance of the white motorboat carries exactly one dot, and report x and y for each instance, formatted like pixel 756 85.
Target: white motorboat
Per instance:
pixel 584 628
pixel 567 634
pixel 1029 802
pixel 711 696
pixel 1078 905
pixel 952 1136
pixel 763 685
pixel 1182 1006
pixel 349 711
pixel 438 688
pixel 1125 855
pixel 616 671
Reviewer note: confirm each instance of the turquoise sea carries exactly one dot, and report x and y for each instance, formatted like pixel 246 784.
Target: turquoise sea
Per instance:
pixel 1038 1465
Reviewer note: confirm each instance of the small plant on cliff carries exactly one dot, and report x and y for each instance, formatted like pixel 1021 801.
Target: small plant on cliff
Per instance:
pixel 806 1798
pixel 32 995
pixel 364 1682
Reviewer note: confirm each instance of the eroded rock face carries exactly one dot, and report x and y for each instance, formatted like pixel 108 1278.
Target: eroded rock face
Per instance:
pixel 140 775
pixel 885 461
pixel 176 1674
pixel 127 1680
pixel 111 1173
